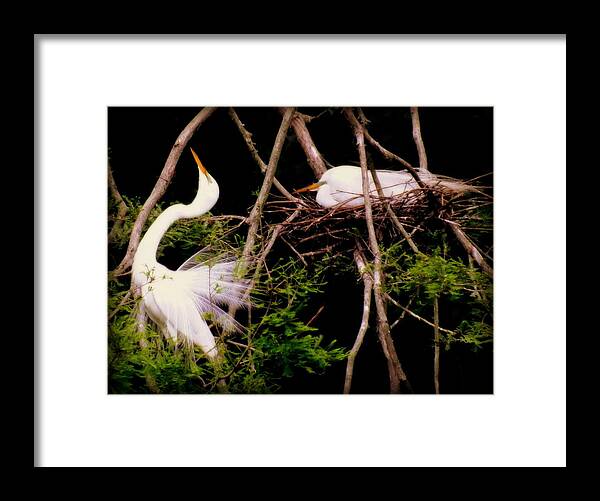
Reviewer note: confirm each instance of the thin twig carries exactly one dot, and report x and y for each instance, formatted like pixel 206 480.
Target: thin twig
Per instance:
pixel 413 314
pixel 121 303
pixel 314 317
pixel 325 250
pixel 295 251
pixel 241 345
pixel 225 217
pixel 364 322
pixel 263 255
pixel 321 234
pixel 160 187
pixel 436 345
pixel 221 382
pixel 403 314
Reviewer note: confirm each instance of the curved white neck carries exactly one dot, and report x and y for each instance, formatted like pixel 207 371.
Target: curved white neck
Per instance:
pixel 149 244
pixel 206 198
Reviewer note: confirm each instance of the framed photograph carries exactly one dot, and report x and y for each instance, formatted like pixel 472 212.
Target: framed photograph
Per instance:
pixel 249 251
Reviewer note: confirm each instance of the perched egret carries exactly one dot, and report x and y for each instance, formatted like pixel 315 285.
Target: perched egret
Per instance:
pixel 342 185
pixel 178 301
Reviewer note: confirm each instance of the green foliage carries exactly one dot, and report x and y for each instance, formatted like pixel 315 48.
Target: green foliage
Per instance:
pixel 426 277
pixel 279 346
pixel 284 342
pixel 134 206
pixel 474 333
pixel 189 234
pixel 155 367
pixel 436 275
pixel 286 345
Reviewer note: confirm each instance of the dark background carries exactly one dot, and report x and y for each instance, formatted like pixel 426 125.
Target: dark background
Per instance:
pixel 459 143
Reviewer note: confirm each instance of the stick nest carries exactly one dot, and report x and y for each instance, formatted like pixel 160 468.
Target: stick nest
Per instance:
pixel 316 230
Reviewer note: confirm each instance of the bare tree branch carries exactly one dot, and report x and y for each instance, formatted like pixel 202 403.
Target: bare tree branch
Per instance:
pixel 312 153
pixel 293 249
pixel 364 323
pixel 399 319
pixel 161 186
pixel 382 197
pixel 392 156
pixel 254 152
pixel 261 260
pixel 470 247
pixel 309 118
pixel 436 345
pixel 391 213
pixel 416 130
pixel 413 314
pixel 121 212
pixel 121 303
pixel 314 317
pixel 455 227
pixel 395 372
pixel 265 252
pixel 256 212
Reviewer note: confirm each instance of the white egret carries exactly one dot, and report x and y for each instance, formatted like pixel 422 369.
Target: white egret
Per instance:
pixel 178 301
pixel 342 185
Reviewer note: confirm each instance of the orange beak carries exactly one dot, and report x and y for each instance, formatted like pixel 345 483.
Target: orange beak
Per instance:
pixel 199 164
pixel 310 187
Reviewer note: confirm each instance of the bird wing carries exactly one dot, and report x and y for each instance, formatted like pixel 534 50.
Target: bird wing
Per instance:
pixel 206 256
pixel 175 309
pixel 214 275
pixel 181 303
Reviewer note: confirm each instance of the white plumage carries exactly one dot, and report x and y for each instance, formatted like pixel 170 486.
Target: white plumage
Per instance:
pixel 181 301
pixel 342 185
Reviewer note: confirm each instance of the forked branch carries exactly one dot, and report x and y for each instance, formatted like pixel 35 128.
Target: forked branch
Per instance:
pixel 361 264
pixel 395 372
pixel 388 208
pixel 254 152
pixel 256 212
pixel 392 156
pixel 470 247
pixel 312 153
